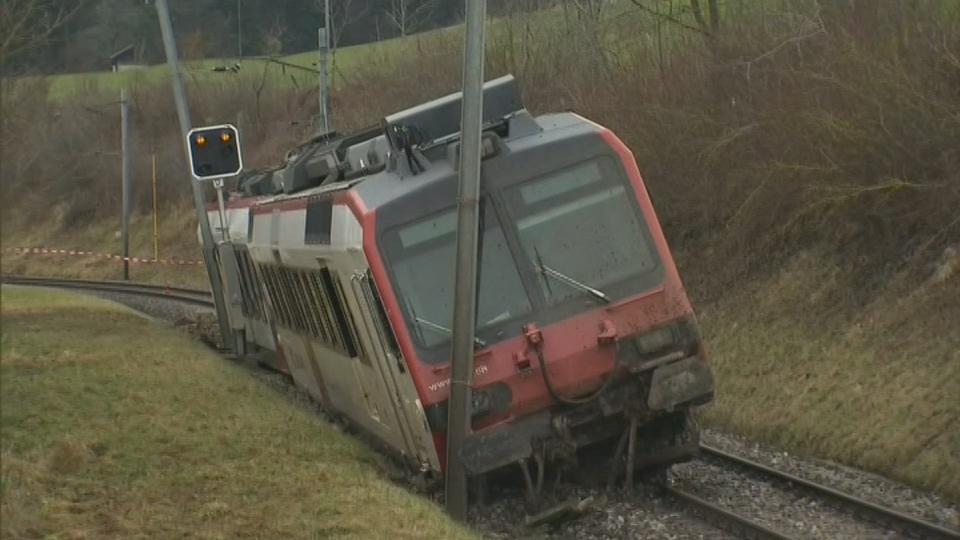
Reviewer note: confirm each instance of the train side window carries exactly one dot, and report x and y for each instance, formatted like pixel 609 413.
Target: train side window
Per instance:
pixel 289 317
pixel 270 286
pixel 286 316
pixel 326 313
pixel 381 314
pixel 280 307
pixel 340 315
pixel 317 227
pixel 352 324
pixel 257 287
pixel 314 316
pixel 296 300
pixel 246 289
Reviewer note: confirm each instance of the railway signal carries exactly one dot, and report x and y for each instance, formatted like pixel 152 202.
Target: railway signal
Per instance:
pixel 214 152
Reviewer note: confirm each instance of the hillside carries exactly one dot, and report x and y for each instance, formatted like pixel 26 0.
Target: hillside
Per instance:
pixel 802 159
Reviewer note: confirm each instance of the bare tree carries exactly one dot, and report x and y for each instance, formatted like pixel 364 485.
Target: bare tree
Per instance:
pixel 343 13
pixel 28 24
pixel 409 15
pixel 272 38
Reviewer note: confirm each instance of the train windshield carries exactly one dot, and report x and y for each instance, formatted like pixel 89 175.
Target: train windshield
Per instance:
pixel 584 234
pixel 423 257
pixel 576 235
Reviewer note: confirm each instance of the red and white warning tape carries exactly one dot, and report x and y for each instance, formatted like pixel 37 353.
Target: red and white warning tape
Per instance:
pixel 138 260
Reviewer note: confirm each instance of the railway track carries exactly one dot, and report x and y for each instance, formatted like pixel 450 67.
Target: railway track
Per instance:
pixel 714 514
pixel 887 517
pixel 179 294
pixel 725 519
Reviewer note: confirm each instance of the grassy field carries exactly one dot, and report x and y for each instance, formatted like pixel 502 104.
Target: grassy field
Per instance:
pixel 200 72
pixel 116 427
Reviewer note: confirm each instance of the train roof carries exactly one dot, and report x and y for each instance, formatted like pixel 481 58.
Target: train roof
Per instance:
pixel 407 150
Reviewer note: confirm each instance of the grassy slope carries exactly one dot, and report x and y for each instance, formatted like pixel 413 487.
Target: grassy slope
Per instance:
pixel 876 387
pixel 115 427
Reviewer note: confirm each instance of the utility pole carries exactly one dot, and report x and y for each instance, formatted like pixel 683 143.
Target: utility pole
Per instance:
pixel 125 174
pixel 199 203
pixel 239 34
pixel 156 213
pixel 323 42
pixel 465 287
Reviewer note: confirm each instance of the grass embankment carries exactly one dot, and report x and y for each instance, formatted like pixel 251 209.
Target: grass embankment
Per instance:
pixel 875 386
pixel 116 427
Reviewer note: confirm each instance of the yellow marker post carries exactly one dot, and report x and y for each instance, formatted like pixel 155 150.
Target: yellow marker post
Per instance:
pixel 156 234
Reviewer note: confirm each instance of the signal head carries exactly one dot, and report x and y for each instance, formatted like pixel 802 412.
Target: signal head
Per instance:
pixel 209 161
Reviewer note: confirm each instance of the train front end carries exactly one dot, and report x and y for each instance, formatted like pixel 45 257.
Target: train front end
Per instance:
pixel 584 332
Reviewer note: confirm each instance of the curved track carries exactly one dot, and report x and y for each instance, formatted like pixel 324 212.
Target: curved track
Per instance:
pixel 178 294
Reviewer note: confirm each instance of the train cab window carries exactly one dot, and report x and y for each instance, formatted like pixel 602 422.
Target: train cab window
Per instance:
pixel 422 259
pixel 582 229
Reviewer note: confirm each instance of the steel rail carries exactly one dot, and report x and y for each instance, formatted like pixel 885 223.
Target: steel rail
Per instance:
pixel 875 513
pixel 724 519
pixel 178 294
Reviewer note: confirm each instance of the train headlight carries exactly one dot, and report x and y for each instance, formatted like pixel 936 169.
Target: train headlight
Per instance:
pixel 656 340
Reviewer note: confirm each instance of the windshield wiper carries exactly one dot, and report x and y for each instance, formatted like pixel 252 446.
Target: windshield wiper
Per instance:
pixel 429 325
pixel 565 279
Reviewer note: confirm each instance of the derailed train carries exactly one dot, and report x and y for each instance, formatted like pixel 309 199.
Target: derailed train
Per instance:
pixel 338 270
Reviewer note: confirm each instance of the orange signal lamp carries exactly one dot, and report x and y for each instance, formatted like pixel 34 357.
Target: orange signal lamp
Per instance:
pixel 225 137
pixel 201 140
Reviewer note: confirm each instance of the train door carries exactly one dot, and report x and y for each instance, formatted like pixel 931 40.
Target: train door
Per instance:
pixel 233 296
pixel 388 365
pixel 380 414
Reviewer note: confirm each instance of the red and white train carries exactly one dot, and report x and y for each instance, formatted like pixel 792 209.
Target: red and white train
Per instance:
pixel 339 268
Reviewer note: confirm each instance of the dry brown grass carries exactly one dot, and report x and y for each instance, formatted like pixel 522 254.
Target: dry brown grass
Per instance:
pixel 115 427
pixel 875 387
pixel 176 242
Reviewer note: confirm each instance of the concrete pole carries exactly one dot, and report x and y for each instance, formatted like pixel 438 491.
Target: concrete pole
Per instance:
pixel 125 174
pixel 323 42
pixel 465 287
pixel 156 213
pixel 199 202
pixel 239 34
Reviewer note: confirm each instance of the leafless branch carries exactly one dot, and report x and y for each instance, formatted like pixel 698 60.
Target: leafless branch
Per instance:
pixel 28 24
pixel 670 18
